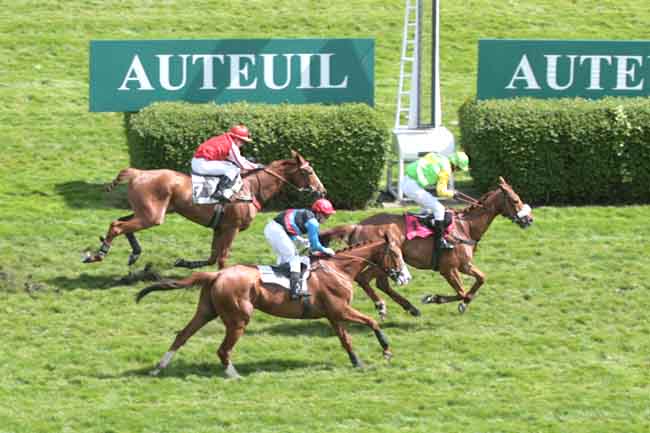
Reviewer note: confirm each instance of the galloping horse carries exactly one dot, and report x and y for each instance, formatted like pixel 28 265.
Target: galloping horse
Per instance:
pixel 233 293
pixel 154 193
pixel 470 224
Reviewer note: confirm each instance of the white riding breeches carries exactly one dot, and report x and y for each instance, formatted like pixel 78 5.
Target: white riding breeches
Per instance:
pixel 215 168
pixel 282 245
pixel 422 197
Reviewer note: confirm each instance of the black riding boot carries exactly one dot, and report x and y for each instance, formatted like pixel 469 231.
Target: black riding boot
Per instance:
pixel 439 243
pixel 295 286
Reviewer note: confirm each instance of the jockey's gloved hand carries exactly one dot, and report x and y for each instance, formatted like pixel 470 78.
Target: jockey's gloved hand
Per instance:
pixel 304 242
pixel 328 251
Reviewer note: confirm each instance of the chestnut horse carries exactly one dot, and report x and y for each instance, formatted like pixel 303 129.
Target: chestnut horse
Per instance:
pixel 233 293
pixel 154 193
pixel 470 224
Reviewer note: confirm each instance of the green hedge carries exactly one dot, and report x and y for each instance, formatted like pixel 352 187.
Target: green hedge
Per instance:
pixel 562 151
pixel 346 144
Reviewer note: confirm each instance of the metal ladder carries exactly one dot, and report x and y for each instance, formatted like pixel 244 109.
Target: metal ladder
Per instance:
pixel 408 90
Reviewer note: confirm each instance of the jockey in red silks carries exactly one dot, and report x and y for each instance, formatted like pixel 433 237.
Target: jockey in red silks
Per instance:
pixel 220 155
pixel 287 228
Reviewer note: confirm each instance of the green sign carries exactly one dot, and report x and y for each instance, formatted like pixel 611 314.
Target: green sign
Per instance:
pixel 559 69
pixel 129 75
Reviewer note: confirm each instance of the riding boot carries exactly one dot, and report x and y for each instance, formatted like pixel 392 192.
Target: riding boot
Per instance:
pixel 295 286
pixel 439 244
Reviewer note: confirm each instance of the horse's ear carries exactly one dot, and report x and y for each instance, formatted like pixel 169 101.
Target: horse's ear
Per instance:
pixel 299 158
pixel 502 182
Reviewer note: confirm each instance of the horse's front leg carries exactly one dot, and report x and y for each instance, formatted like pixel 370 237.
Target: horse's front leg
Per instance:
pixel 214 255
pixel 363 279
pixel 479 280
pixel 453 278
pixel 384 286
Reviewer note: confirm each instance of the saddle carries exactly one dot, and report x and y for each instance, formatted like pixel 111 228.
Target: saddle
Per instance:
pixel 420 224
pixel 214 189
pixel 280 274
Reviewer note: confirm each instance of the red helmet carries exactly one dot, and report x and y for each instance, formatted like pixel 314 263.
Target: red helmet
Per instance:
pixel 324 206
pixel 241 132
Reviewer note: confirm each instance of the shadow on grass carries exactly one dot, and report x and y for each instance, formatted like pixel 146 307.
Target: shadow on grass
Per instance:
pixel 84 195
pixel 181 369
pixel 102 282
pixel 321 328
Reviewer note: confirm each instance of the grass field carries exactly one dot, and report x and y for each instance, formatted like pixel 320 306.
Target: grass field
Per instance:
pixel 558 340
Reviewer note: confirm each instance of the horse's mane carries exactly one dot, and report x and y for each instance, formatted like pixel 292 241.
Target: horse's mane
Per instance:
pixel 357 245
pixel 481 201
pixel 277 162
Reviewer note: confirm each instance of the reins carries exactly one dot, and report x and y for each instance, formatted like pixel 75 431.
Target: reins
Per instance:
pixel 276 175
pixel 468 199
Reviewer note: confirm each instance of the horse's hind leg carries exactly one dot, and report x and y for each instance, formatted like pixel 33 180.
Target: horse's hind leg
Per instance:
pixel 126 225
pixel 204 313
pixel 234 331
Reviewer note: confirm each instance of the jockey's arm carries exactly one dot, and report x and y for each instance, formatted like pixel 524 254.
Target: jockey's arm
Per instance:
pixel 313 229
pixel 235 156
pixel 441 185
pixel 422 179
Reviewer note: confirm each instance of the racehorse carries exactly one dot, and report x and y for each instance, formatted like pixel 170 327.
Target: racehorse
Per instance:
pixel 470 224
pixel 234 292
pixel 154 193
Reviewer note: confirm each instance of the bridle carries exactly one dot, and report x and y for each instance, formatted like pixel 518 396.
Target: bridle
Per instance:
pixel 392 272
pixel 305 169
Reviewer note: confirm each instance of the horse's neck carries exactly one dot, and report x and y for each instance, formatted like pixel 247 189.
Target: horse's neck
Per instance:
pixel 264 185
pixel 478 219
pixel 353 266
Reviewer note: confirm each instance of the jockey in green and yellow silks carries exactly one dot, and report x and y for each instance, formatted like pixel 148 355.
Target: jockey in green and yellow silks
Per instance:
pixel 433 169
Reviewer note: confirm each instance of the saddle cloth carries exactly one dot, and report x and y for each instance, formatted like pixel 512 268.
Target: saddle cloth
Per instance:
pixel 214 189
pixel 280 274
pixel 416 228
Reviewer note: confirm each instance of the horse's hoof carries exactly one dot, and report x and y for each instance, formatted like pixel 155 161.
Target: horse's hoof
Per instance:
pixel 462 307
pixel 231 372
pixel 388 355
pixel 382 310
pixel 154 372
pixel 427 299
pixel 180 263
pixel 414 312
pixel 89 258
pixel 133 258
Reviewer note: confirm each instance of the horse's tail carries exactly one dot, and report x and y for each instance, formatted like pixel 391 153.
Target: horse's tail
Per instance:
pixel 345 233
pixel 195 279
pixel 123 176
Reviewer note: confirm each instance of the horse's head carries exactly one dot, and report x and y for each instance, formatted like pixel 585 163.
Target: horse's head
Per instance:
pixel 392 262
pixel 512 207
pixel 304 177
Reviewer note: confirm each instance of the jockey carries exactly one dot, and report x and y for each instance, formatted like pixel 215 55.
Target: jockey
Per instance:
pixel 433 169
pixel 287 228
pixel 220 155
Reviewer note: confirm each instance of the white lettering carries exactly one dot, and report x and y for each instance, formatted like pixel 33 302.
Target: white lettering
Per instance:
pixel 163 60
pixel 139 75
pixel 237 71
pixel 325 81
pixel 626 70
pixel 526 74
pixel 208 68
pixel 305 71
pixel 595 61
pixel 269 71
pixel 551 72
